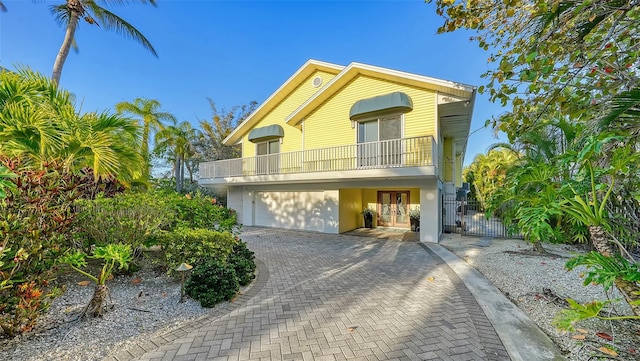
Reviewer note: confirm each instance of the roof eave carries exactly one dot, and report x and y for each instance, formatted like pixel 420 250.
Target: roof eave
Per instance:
pixel 302 73
pixel 353 69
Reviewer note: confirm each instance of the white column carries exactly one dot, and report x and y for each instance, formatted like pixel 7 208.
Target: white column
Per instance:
pixel 429 211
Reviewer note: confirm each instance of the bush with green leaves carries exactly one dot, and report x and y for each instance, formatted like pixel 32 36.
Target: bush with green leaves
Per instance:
pixel 200 211
pixel 130 218
pixel 212 282
pixel 195 246
pixel 242 259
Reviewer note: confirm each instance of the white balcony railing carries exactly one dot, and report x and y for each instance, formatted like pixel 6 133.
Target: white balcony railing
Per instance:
pixel 405 152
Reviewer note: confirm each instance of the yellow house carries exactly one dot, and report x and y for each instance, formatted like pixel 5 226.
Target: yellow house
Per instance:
pixel 334 140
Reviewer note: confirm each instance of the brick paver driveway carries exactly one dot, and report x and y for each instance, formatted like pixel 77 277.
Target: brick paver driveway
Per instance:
pixel 336 297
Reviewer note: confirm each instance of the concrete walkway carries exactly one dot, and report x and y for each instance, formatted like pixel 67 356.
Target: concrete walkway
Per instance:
pixel 341 297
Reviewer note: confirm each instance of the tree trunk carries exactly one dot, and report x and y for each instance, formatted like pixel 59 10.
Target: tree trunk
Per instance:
pixel 600 241
pixel 96 308
pixel 629 290
pixel 178 171
pixel 76 10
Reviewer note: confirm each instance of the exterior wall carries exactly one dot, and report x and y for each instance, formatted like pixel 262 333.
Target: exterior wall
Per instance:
pixel 292 139
pixel 333 115
pixel 458 180
pixel 234 201
pixel 448 161
pixel 370 198
pixel 430 212
pixel 350 208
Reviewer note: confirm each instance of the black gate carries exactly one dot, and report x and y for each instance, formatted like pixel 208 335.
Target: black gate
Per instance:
pixel 467 217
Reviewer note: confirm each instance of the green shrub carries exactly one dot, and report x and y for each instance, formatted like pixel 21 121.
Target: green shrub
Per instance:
pixel 212 282
pixel 195 246
pixel 130 218
pixel 242 260
pixel 200 211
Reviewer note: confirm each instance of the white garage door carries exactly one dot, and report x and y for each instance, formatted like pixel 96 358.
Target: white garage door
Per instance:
pixel 293 210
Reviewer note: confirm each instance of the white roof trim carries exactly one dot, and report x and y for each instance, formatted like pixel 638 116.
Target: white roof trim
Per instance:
pixel 284 85
pixel 360 66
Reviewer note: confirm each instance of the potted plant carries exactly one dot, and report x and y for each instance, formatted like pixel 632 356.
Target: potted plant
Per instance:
pixel 368 213
pixel 414 218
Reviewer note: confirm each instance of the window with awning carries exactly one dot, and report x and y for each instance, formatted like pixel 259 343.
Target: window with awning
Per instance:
pixel 262 134
pixel 396 102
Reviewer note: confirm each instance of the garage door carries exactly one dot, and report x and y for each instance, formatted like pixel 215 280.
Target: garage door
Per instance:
pixel 292 210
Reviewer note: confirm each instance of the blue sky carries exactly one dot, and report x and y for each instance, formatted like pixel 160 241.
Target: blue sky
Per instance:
pixel 237 51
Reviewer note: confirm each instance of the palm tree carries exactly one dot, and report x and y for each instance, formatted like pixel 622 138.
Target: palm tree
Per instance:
pixel 147 110
pixel 69 13
pixel 39 123
pixel 176 143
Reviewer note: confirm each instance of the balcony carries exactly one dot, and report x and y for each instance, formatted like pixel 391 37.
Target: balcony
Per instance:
pixel 341 161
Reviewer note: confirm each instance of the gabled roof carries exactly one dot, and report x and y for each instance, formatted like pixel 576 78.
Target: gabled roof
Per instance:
pixel 281 93
pixel 355 69
pixel 343 77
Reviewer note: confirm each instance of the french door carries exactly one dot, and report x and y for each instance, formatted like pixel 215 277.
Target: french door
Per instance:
pixel 393 209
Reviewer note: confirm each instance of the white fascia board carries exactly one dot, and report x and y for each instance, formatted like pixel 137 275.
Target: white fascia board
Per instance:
pixel 317 65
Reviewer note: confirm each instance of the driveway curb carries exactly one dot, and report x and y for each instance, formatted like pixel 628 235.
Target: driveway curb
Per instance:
pixel 521 337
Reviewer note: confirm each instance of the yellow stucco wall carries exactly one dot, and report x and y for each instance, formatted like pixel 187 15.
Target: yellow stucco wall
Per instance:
pixel 370 198
pixel 350 208
pixel 292 139
pixel 333 115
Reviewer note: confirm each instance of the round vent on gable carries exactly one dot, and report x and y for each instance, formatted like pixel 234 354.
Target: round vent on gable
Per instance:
pixel 316 82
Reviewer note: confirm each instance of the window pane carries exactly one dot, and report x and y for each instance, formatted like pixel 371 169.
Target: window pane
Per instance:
pixel 262 148
pixel 274 147
pixel 391 128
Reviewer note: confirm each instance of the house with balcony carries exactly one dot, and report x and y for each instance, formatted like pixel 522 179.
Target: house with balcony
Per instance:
pixel 333 140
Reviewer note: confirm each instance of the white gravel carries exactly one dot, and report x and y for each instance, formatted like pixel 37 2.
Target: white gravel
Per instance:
pixel 522 276
pixel 143 303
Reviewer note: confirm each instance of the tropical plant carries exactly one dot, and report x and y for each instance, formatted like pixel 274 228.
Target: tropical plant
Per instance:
pixel 5 183
pixel 70 13
pixel 176 143
pixel 146 112
pixel 487 173
pixel 112 255
pixel 414 213
pixel 39 124
pixel 130 218
pixel 200 211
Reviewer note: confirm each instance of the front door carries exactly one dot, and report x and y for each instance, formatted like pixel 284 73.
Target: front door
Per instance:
pixel 393 209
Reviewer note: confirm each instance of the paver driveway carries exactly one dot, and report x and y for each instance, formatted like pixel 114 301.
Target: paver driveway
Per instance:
pixel 337 297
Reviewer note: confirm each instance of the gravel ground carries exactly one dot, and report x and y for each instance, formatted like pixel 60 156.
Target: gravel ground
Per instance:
pixel 143 303
pixel 523 276
pixel 146 304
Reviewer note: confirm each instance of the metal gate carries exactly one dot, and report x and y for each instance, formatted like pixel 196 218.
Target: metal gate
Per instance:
pixel 467 217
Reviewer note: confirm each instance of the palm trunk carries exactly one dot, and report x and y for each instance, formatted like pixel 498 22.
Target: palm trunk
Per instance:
pixel 76 10
pixel 629 290
pixel 600 241
pixel 95 307
pixel 145 150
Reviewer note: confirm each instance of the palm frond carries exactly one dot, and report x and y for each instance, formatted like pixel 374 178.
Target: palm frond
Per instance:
pixel 112 21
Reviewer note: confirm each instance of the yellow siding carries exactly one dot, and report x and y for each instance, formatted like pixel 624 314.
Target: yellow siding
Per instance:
pixel 350 208
pixel 448 159
pixel 458 171
pixel 329 125
pixel 292 139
